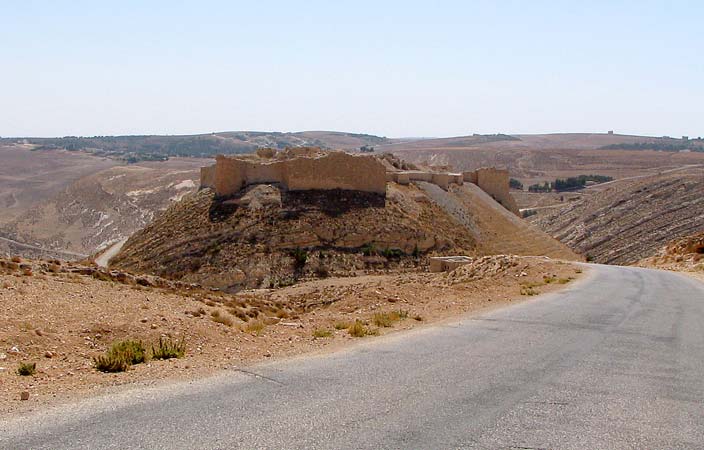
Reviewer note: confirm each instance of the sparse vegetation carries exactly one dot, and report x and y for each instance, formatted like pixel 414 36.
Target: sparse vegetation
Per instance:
pixel 168 348
pixel 392 253
pixel 342 325
pixel 217 317
pixel 515 184
pixel 369 250
pixel 387 320
pixel 121 356
pixel 27 369
pixel 527 290
pixel 321 333
pixel 300 257
pixel 254 327
pixel 357 329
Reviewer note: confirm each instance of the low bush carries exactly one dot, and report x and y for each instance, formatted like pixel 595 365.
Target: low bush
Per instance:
pixel 27 369
pixel 168 349
pixel 300 257
pixel 121 356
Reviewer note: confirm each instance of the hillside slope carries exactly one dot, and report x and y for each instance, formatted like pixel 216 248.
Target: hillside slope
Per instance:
pixel 267 238
pixel 99 209
pixel 496 230
pixel 629 220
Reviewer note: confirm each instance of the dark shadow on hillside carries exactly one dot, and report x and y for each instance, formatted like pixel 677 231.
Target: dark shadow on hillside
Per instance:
pixel 332 202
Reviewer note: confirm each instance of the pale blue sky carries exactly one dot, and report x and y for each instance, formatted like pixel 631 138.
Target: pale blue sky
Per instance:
pixel 401 68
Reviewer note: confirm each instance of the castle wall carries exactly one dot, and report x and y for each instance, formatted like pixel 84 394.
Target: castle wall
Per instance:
pixel 207 176
pixel 334 170
pixel 495 182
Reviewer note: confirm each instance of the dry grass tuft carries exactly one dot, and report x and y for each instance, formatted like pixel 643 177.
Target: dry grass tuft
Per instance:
pixel 221 318
pixel 255 327
pixel 321 333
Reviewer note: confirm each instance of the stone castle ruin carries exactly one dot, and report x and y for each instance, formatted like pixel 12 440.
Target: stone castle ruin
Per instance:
pixel 309 168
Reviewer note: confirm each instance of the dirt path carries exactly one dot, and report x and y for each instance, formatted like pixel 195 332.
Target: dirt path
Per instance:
pixel 104 259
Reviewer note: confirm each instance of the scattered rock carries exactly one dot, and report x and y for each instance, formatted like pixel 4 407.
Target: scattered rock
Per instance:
pixel 49 354
pixel 24 395
pixel 14 351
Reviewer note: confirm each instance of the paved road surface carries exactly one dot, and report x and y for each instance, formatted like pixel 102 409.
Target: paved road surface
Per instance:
pixel 615 361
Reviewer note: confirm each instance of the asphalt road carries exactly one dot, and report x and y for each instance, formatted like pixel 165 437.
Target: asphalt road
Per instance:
pixel 614 361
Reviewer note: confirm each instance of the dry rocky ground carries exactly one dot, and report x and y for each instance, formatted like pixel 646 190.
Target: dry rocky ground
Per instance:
pixel 61 316
pixel 682 255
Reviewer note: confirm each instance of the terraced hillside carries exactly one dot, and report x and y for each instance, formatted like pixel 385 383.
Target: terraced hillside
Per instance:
pixel 629 220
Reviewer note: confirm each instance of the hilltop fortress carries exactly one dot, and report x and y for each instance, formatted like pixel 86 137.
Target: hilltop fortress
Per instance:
pixel 309 168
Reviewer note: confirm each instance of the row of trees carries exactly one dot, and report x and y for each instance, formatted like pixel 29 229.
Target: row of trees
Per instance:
pixel 568 184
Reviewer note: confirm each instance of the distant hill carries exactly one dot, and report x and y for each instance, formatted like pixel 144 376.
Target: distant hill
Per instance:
pixel 153 147
pixel 623 222
pixel 536 158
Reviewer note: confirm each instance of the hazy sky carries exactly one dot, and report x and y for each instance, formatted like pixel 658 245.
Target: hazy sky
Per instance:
pixel 406 68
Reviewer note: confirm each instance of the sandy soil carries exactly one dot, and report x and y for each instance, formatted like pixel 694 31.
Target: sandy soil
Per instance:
pixel 61 321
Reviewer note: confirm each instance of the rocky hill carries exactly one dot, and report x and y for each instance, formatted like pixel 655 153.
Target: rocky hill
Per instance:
pixel 265 237
pixel 268 237
pixel 623 222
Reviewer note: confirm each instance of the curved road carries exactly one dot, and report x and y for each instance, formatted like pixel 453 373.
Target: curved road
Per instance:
pixel 614 361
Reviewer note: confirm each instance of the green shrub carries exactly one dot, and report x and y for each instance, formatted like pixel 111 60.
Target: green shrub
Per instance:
pixel 392 253
pixel 133 351
pixel 27 369
pixel 168 348
pixel 369 250
pixel 300 257
pixel 111 363
pixel 121 356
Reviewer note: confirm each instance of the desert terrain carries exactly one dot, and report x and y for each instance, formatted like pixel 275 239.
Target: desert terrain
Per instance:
pixel 628 220
pixel 90 308
pixel 539 158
